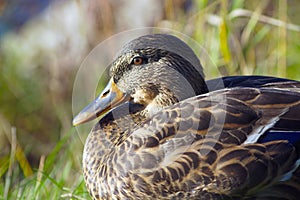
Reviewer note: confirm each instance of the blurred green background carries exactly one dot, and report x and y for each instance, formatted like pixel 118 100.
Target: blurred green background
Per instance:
pixel 43 43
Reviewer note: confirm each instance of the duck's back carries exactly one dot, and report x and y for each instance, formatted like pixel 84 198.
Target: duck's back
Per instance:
pixel 206 147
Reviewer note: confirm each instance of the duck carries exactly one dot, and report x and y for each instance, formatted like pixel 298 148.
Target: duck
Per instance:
pixel 165 133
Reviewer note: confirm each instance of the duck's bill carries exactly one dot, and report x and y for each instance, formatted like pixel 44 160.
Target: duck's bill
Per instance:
pixel 110 97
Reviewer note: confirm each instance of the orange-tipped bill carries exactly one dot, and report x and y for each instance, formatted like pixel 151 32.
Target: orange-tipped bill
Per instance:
pixel 110 97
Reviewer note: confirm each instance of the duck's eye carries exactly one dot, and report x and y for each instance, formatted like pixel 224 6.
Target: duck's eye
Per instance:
pixel 137 60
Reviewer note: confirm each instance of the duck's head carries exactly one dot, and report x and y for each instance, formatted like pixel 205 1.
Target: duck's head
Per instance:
pixel 155 70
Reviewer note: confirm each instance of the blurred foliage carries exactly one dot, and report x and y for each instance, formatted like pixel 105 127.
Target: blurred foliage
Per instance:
pixel 15 13
pixel 38 63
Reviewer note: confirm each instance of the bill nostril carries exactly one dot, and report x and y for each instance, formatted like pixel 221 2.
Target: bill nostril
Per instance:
pixel 105 93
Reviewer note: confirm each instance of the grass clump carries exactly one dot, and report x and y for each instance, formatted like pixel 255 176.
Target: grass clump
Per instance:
pixel 57 177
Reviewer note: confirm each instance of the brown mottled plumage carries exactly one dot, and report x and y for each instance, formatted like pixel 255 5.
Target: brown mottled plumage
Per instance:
pixel 166 137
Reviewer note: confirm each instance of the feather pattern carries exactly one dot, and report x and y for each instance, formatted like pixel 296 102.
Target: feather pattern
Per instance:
pixel 206 146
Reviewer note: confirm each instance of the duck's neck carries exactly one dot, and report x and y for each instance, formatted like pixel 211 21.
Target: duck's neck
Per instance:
pixel 101 143
pixel 116 125
pixel 120 122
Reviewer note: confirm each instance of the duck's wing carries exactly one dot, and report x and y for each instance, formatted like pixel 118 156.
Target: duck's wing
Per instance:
pixel 283 190
pixel 250 81
pixel 287 122
pixel 207 144
pixel 287 125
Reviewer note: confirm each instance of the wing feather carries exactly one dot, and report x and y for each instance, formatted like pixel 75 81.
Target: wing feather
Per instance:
pixel 200 143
